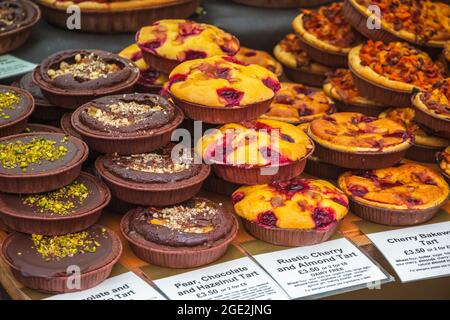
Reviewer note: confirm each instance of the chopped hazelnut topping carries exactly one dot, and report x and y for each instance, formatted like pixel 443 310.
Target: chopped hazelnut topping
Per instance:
pixel 8 101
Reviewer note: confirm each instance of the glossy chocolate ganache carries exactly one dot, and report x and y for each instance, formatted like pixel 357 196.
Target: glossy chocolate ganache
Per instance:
pixel 196 222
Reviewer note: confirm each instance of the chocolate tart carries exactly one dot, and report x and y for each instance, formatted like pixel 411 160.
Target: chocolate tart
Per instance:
pixel 25 14
pixel 409 194
pixel 297 212
pixel 82 202
pixel 214 184
pixel 66 125
pixel 37 127
pixel 282 4
pixel 355 141
pixel 56 161
pixel 16 106
pixel 73 77
pixel 50 273
pixel 190 235
pixel 138 179
pixel 127 124
pixel 116 16
pixel 443 160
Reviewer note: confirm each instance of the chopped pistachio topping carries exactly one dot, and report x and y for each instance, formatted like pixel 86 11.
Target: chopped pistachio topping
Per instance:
pixel 8 101
pixel 60 201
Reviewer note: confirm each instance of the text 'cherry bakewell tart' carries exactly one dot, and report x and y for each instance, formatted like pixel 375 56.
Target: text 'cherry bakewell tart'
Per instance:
pixel 16 106
pixel 425 144
pixel 258 151
pixel 191 234
pixel 297 65
pixel 128 123
pixel 45 263
pixel 262 58
pixel 433 108
pixel 296 212
pixel 353 140
pixel 443 159
pixel 420 22
pixel 325 34
pixel 167 43
pixel 296 103
pixel 405 195
pixel 71 78
pixel 389 73
pixel 221 89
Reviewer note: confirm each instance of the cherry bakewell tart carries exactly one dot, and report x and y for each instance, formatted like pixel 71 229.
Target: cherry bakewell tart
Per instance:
pixel 297 65
pixel 425 144
pixel 43 262
pixel 340 87
pixel 128 123
pixel 190 234
pixel 433 108
pixel 262 58
pixel 296 212
pixel 221 89
pixel 258 151
pixel 167 43
pixel 150 80
pixel 444 163
pixel 16 106
pixel 404 195
pixel 166 176
pixel 326 35
pixel 356 141
pixel 71 78
pixel 424 22
pixel 389 73
pixel 296 103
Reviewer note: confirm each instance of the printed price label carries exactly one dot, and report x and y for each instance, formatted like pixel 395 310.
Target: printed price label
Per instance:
pixel 11 66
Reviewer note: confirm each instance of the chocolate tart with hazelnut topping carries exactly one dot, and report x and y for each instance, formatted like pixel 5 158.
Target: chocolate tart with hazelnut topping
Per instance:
pixel 408 194
pixel 162 177
pixel 16 106
pixel 443 160
pixel 71 208
pixel 17 17
pixel 66 125
pixel 43 263
pixel 39 162
pixel 353 140
pixel 282 4
pixel 73 77
pixel 191 234
pixel 297 212
pixel 127 124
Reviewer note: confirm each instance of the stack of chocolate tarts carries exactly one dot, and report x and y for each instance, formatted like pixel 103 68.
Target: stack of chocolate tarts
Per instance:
pixel 16 106
pixel 408 194
pixel 187 235
pixel 73 77
pixel 443 159
pixel 297 212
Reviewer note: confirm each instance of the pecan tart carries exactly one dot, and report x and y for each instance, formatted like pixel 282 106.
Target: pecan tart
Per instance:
pixel 405 195
pixel 296 212
pixel 296 103
pixel 16 106
pixel 45 263
pixel 444 163
pixel 73 77
pixel 191 234
pixel 167 43
pixel 258 151
pixel 221 89
pixel 262 58
pixel 326 35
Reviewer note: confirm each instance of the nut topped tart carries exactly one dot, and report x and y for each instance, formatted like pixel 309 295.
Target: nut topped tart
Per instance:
pixel 187 235
pixel 444 163
pixel 73 77
pixel 262 58
pixel 297 65
pixel 240 151
pixel 388 73
pixel 293 213
pixel 167 43
pixel 403 195
pixel 326 35
pixel 166 176
pixel 127 123
pixel 221 89
pixel 39 162
pixel 42 262
pixel 16 106
pixel 71 208
pixel 296 103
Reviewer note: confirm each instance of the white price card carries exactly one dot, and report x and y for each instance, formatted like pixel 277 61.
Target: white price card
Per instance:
pixel 11 66
pixel 319 270
pixel 127 286
pixel 416 253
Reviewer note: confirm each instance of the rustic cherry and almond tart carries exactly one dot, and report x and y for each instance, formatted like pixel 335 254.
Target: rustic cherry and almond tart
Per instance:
pixel 262 58
pixel 444 163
